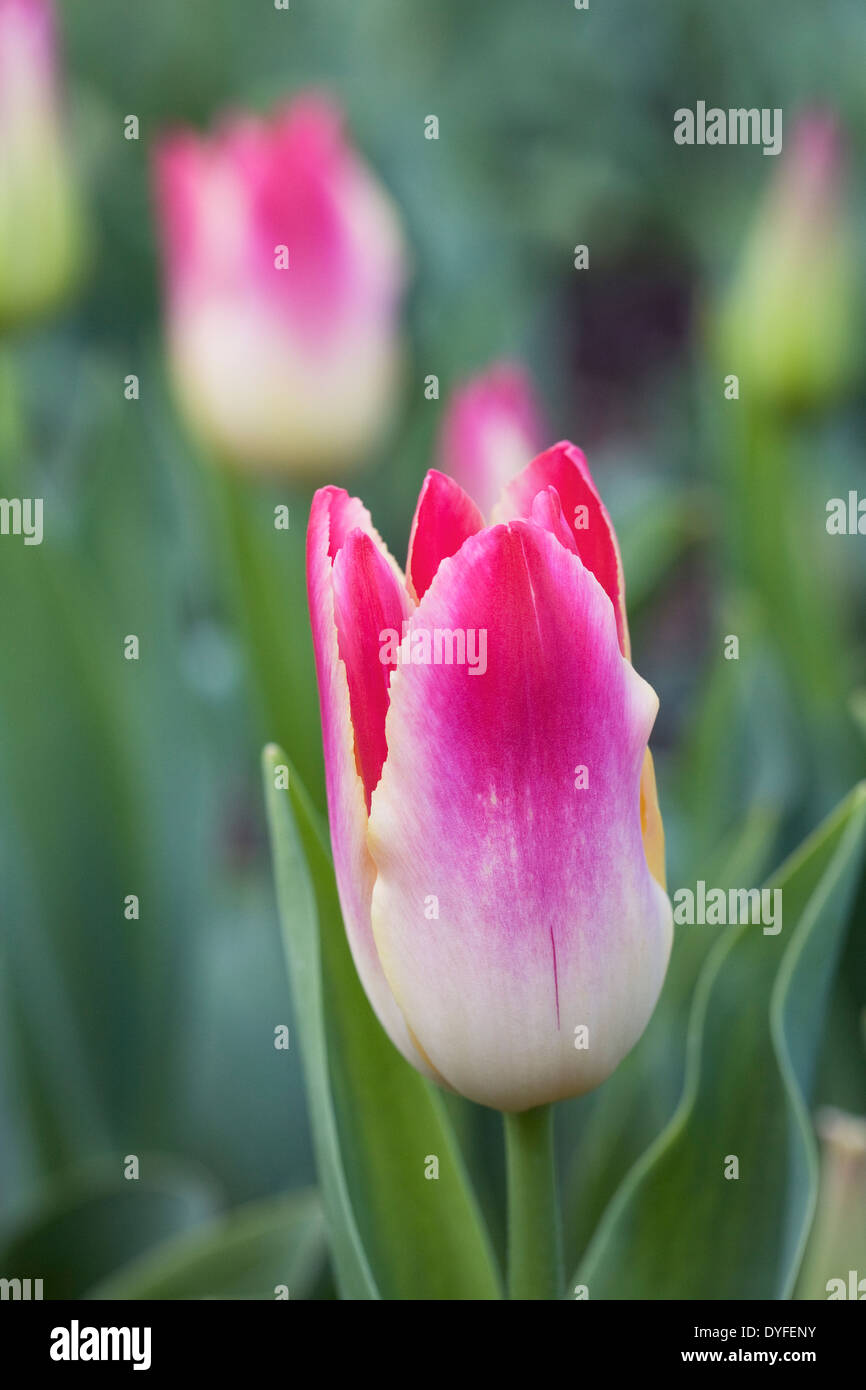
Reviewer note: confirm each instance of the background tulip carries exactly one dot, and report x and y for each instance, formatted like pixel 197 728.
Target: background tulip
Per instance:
pixel 837 1242
pixel 284 267
pixel 40 233
pixel 787 330
pixel 788 323
pixel 494 907
pixel 492 429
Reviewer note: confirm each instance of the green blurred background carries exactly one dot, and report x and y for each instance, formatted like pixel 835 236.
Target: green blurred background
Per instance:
pixel 155 1037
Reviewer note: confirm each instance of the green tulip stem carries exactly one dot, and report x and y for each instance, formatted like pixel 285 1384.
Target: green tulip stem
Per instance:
pixel 534 1241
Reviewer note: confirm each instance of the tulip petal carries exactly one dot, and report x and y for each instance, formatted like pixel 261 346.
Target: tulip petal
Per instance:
pixel 368 603
pixel 547 512
pixel 565 468
pixel 652 828
pixel 333 518
pixel 444 518
pixel 510 908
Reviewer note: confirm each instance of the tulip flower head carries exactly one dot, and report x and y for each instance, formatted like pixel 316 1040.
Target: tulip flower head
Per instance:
pixel 497 839
pixel 284 268
pixel 492 429
pixel 40 227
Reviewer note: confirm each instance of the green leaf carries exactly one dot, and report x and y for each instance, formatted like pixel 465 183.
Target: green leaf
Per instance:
pixel 87 1225
pixel 753 1038
pixel 245 1254
pixel 394 1234
pixel 603 1134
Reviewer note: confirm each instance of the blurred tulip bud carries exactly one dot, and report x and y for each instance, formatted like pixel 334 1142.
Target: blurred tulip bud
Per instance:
pixel 787 326
pixel 284 268
pixel 40 224
pixel 497 838
pixel 492 429
pixel 835 1263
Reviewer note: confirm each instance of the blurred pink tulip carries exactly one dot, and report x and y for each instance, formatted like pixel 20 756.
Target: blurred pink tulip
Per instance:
pixel 492 429
pixel 495 902
pixel 40 220
pixel 284 270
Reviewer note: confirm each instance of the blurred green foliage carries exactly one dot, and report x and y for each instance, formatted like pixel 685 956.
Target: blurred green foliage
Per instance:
pixel 155 1036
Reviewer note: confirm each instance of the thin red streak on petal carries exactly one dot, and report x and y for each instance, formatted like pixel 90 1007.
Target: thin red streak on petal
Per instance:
pixel 555 977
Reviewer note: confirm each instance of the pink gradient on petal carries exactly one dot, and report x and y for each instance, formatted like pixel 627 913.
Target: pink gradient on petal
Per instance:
pixel 444 518
pixel 28 29
pixel 368 601
pixel 808 188
pixel 290 170
pixel 548 916
pixel 228 201
pixel 491 430
pixel 564 468
pixel 333 517
pixel 28 56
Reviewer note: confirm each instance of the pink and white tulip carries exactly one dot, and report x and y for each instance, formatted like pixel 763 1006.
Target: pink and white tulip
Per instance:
pixel 492 429
pixel 493 907
pixel 40 223
pixel 283 359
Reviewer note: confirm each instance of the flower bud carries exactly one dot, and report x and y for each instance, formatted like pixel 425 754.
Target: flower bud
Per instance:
pixel 787 325
pixel 40 225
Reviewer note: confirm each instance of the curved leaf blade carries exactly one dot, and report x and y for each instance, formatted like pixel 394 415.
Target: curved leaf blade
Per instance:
pixel 87 1225
pixel 752 1044
pixel 247 1254
pixel 395 1234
